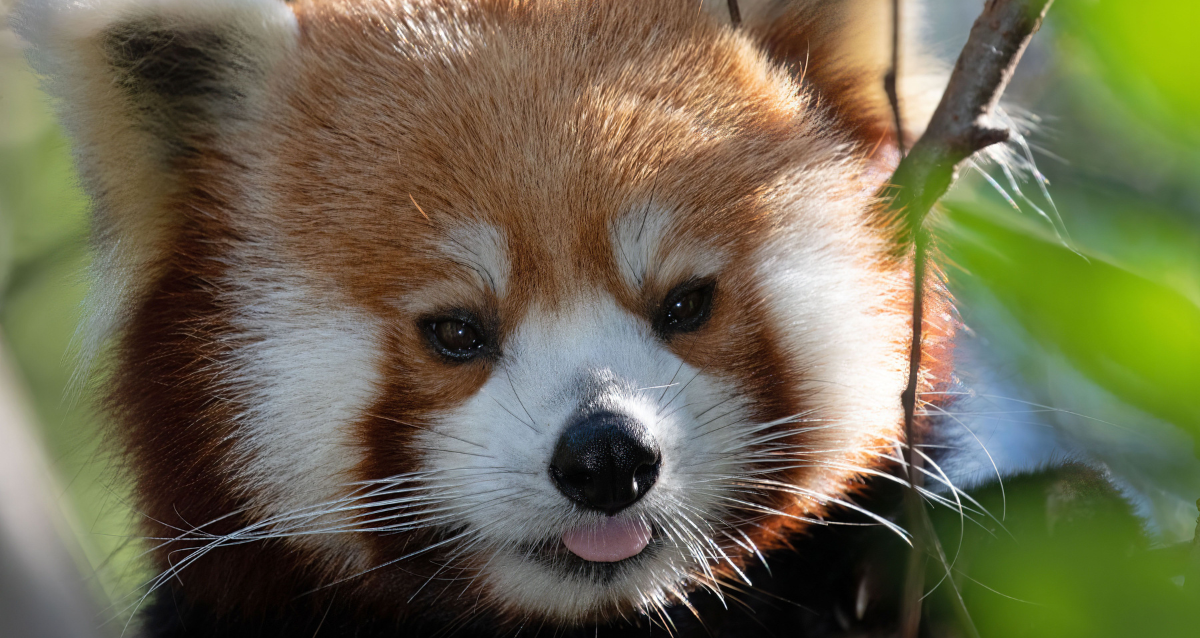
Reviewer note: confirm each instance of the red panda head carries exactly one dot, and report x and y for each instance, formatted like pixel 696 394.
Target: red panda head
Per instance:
pixel 567 306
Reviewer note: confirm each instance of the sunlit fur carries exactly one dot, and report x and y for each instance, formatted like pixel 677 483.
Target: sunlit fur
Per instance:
pixel 285 194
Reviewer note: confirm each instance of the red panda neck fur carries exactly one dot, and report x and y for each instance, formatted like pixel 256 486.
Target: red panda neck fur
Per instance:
pixel 290 197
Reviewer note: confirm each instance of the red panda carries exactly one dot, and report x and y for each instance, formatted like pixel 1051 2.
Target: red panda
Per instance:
pixel 487 315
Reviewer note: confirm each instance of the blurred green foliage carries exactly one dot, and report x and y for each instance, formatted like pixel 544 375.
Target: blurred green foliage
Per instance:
pixel 1118 86
pixel 1136 337
pixel 1146 51
pixel 43 264
pixel 1121 299
pixel 1115 291
pixel 1068 560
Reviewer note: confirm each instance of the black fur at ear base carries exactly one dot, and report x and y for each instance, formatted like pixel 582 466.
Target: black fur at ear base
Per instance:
pixel 178 70
pixel 184 84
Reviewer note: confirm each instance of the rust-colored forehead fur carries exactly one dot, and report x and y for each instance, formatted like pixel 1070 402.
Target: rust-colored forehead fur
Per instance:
pixel 547 121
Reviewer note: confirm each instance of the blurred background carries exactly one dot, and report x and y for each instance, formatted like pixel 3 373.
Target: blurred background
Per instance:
pixel 1077 275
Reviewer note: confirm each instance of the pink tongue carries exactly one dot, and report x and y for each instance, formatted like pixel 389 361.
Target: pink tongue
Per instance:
pixel 611 541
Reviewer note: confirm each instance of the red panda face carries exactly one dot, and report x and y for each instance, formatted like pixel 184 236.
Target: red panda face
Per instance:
pixel 575 307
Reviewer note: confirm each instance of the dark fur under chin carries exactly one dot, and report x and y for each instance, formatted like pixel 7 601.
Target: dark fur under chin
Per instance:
pixel 836 581
pixel 805 593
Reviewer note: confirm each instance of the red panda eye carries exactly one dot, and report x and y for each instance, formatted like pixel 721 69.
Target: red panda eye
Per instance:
pixel 686 308
pixel 456 338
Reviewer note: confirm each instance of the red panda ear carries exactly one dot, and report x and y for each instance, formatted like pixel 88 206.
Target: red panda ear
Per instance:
pixel 141 82
pixel 843 50
pixel 143 86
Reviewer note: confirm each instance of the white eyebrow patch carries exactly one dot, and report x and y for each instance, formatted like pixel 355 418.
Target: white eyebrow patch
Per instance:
pixel 481 248
pixel 646 244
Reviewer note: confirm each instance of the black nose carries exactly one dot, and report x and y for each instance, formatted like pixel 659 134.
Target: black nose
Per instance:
pixel 605 462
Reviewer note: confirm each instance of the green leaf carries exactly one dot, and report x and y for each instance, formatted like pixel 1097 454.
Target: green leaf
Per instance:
pixel 1147 51
pixel 1133 336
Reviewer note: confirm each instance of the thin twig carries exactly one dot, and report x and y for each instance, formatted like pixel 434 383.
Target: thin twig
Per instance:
pixel 961 126
pixel 914 581
pixel 735 14
pixel 914 505
pixel 889 80
pixel 963 122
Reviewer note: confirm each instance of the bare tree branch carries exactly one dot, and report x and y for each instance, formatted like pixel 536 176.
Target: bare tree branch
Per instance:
pixel 961 125
pixel 41 590
pixel 963 122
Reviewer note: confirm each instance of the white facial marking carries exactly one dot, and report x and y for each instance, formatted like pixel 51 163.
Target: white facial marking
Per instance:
pixel 481 248
pixel 309 365
pixel 836 315
pixel 646 244
pixel 490 459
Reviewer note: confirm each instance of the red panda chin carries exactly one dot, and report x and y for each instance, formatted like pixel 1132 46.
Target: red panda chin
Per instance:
pixel 565 309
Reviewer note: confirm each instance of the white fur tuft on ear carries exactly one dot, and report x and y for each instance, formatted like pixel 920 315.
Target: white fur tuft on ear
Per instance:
pixel 75 19
pixel 140 84
pixel 64 32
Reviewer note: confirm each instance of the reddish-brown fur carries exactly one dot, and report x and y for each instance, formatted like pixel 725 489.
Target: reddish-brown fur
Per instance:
pixel 369 154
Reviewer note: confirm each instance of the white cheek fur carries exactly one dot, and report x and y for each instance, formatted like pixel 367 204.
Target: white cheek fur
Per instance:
pixel 307 367
pixel 837 317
